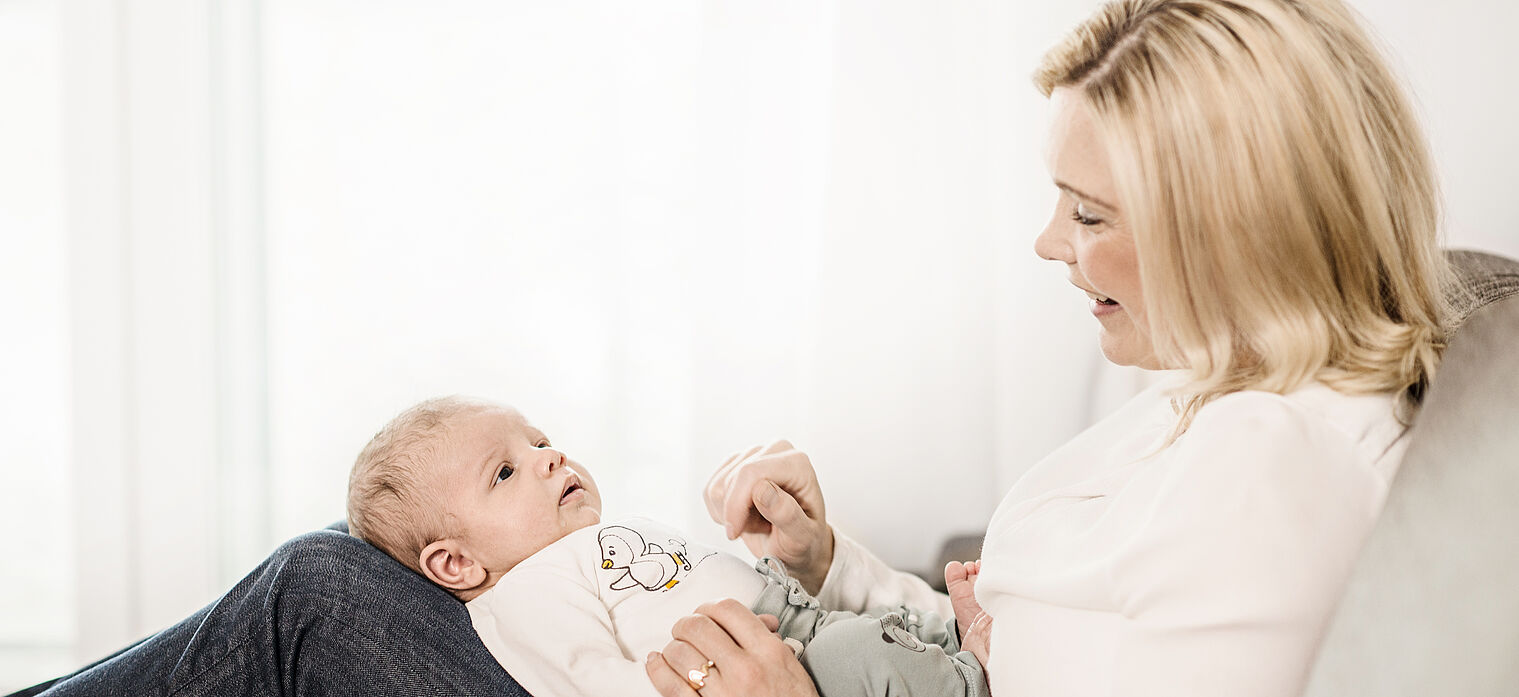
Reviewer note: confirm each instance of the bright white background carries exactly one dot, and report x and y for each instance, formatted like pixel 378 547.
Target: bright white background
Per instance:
pixel 239 235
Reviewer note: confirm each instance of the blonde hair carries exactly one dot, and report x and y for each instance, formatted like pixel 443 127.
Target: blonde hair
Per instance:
pixel 1280 193
pixel 390 504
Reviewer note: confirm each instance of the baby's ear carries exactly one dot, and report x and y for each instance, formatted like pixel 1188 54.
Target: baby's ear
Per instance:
pixel 447 563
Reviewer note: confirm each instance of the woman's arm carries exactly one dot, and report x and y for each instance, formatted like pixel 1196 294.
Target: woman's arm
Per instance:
pixel 858 581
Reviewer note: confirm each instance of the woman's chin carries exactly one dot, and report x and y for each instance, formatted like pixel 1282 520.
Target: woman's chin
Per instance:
pixel 1129 350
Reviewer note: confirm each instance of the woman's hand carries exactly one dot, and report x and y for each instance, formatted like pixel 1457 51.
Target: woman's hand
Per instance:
pixel 746 658
pixel 769 495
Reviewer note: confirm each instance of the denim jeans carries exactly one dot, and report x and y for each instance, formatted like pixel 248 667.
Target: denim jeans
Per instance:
pixel 325 614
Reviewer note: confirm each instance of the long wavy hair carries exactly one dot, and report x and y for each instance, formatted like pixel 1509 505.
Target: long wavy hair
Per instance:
pixel 1280 191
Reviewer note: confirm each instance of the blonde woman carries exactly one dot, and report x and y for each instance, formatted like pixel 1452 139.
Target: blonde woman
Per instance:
pixel 1248 202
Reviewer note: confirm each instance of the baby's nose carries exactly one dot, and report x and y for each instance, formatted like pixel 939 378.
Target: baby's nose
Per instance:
pixel 552 459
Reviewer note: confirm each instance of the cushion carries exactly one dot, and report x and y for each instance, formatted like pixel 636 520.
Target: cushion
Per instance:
pixel 1431 608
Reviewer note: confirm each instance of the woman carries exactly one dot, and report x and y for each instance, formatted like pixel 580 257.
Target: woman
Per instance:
pixel 1247 200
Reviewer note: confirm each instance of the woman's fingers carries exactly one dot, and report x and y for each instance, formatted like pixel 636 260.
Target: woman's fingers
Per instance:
pixel 803 543
pixel 719 485
pixel 787 467
pixel 792 532
pixel 779 446
pixel 735 500
pixel 769 496
pixel 710 636
pixel 724 632
pixel 748 659
pixel 755 660
pixel 683 656
pixel 744 628
pixel 667 680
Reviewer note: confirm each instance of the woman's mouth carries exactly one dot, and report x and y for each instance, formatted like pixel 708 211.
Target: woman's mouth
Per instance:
pixel 1102 304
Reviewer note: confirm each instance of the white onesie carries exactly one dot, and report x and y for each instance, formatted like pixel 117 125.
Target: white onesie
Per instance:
pixel 578 617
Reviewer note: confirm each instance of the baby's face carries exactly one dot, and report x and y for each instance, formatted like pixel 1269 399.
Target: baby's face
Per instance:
pixel 511 491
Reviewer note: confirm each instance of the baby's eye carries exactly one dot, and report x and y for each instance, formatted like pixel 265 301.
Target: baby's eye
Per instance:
pixel 506 471
pixel 542 444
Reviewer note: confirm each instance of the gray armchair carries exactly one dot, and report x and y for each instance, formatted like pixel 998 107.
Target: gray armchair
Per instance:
pixel 1432 608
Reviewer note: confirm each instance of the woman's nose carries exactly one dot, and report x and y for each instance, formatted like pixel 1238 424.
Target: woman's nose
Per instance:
pixel 1054 242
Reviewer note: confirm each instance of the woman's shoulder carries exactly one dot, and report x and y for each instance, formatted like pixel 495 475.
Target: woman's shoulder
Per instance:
pixel 1314 402
pixel 1314 415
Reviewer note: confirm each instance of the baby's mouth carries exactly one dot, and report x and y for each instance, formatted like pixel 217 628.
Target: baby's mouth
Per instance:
pixel 571 486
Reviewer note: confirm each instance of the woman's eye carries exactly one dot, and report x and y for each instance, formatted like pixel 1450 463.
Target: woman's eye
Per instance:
pixel 1080 215
pixel 506 471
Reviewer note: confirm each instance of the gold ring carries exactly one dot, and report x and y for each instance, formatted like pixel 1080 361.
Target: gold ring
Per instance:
pixel 697 677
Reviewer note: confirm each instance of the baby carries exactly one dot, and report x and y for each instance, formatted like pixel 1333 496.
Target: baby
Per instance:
pixel 472 496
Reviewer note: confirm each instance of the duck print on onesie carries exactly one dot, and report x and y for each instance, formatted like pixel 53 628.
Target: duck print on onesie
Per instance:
pixel 641 564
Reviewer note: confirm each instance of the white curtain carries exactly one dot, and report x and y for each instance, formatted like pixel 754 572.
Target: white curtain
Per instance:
pixel 36 586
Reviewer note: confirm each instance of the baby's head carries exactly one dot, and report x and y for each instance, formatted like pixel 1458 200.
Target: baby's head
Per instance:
pixel 462 490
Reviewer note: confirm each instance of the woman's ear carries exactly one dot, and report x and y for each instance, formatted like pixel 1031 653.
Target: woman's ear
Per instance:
pixel 448 564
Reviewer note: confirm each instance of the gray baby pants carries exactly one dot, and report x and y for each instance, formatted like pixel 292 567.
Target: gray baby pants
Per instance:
pixel 892 652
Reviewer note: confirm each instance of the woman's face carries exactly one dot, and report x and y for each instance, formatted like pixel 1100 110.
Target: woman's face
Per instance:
pixel 1089 234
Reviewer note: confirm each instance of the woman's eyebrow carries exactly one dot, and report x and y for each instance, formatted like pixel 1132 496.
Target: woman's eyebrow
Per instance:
pixel 1078 193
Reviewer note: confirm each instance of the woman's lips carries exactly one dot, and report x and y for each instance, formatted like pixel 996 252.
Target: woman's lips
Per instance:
pixel 1100 309
pixel 1102 305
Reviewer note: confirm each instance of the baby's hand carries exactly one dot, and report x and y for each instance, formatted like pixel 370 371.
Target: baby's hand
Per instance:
pixel 978 640
pixel 960 580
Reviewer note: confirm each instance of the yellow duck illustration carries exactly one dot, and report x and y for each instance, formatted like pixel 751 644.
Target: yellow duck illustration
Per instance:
pixel 644 563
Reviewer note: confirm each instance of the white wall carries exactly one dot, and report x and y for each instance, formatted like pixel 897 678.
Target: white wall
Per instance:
pixel 1459 59
pixel 667 231
pixel 602 214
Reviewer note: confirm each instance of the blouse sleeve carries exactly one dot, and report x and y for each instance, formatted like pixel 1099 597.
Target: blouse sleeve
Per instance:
pixel 858 582
pixel 1229 583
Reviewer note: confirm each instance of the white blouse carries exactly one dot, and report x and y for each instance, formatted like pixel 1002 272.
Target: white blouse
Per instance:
pixel 1211 567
